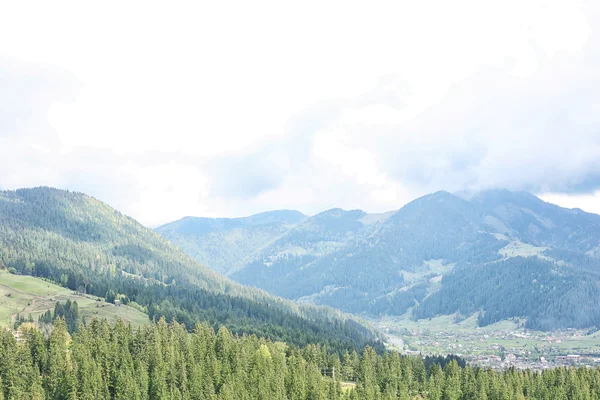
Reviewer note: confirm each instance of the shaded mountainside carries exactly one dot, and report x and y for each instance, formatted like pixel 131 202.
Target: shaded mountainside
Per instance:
pixel 224 243
pixel 498 253
pixel 85 245
pixel 381 267
pixel 301 262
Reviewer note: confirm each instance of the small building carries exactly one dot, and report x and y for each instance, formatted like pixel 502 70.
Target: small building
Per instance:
pixel 568 359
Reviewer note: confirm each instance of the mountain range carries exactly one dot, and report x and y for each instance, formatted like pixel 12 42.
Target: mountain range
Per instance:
pixel 498 253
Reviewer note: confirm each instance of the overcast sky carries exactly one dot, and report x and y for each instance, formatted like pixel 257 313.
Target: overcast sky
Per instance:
pixel 225 108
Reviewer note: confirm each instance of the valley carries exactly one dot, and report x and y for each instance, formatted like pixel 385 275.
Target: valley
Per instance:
pixel 499 345
pixel 500 278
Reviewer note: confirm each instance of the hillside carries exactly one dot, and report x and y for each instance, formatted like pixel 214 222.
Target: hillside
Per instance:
pixel 299 261
pixel 498 253
pixel 83 244
pixel 29 296
pixel 226 242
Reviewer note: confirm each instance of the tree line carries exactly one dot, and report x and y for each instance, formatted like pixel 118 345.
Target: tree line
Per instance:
pixel 164 361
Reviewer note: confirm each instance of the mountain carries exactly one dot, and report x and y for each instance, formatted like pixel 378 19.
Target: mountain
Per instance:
pixel 223 243
pixel 302 261
pixel 498 253
pixel 540 223
pixel 374 267
pixel 84 245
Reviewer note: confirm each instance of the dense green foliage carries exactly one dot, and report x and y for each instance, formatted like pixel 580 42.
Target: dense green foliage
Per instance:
pixel 165 362
pixel 69 312
pixel 85 245
pixel 550 295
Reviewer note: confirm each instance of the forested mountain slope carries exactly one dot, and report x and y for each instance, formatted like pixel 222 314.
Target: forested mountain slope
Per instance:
pixel 224 243
pixel 85 245
pixel 286 265
pixel 370 262
pixel 500 253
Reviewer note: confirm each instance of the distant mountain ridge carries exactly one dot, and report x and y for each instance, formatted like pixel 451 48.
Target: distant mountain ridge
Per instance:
pixel 517 255
pixel 225 242
pixel 199 225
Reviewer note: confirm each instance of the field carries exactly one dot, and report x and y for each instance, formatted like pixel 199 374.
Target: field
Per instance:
pixel 447 334
pixel 347 386
pixel 27 295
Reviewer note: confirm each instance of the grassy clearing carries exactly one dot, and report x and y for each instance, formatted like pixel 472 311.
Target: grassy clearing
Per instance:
pixel 520 249
pixel 346 386
pixel 442 335
pixel 29 295
pixel 444 323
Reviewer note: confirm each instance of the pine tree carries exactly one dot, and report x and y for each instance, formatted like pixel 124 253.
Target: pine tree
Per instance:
pixel 468 382
pixel 481 390
pixel 452 389
pixel 435 384
pixel 9 364
pixel 59 380
pixel 157 370
pixel 367 374
pixel 296 378
pixel 142 379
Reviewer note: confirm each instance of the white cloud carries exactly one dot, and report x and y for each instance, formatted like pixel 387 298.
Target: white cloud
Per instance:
pixel 586 202
pixel 228 108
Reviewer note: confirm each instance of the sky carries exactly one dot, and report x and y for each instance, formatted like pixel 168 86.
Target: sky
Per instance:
pixel 164 110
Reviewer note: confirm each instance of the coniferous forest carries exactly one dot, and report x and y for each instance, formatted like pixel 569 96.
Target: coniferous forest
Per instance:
pixel 164 361
pixel 210 338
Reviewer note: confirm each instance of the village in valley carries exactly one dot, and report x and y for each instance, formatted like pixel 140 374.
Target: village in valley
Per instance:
pixel 499 346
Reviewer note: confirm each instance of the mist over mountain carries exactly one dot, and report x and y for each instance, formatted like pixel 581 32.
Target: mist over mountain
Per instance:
pixel 497 253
